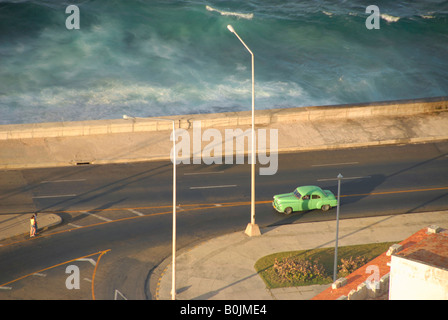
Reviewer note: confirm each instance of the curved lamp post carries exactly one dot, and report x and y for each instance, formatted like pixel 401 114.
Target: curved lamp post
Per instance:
pixel 252 229
pixel 173 278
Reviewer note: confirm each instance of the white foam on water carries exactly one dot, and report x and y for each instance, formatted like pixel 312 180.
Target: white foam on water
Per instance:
pixel 228 13
pixel 389 18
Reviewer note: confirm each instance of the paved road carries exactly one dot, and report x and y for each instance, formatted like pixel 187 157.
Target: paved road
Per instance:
pixel 212 200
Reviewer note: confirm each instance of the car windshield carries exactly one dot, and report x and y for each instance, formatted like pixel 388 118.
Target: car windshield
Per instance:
pixel 297 194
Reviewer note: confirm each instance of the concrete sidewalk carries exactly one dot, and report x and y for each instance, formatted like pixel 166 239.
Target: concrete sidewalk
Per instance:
pixel 223 268
pixel 12 225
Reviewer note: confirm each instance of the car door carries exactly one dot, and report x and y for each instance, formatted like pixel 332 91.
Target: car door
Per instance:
pixel 314 201
pixel 304 203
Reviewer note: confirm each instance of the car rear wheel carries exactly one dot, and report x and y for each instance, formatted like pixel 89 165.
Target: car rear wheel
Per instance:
pixel 326 207
pixel 288 210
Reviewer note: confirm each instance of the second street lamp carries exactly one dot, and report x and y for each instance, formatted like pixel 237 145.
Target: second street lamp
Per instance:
pixel 173 261
pixel 252 229
pixel 335 265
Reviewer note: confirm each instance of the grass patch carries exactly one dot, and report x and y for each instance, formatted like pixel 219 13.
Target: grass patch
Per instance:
pixel 307 267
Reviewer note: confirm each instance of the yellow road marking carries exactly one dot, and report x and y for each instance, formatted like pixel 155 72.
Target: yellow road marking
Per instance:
pixel 94 272
pixel 393 192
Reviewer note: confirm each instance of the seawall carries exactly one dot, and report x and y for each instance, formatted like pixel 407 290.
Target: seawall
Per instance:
pixel 302 128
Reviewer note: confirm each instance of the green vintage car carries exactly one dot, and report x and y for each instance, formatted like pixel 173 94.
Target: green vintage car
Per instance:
pixel 304 198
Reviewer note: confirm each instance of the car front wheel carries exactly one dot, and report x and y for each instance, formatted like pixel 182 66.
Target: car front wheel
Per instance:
pixel 288 210
pixel 326 207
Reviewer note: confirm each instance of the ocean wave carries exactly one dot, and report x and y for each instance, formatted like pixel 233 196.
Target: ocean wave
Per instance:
pixel 389 18
pixel 159 58
pixel 248 16
pixel 111 99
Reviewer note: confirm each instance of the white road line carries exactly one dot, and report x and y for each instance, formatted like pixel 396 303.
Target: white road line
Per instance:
pixel 55 196
pixel 93 262
pixel 43 275
pixel 74 225
pixel 198 173
pixel 136 212
pixel 348 178
pixel 97 216
pixel 212 187
pixel 59 181
pixel 118 293
pixel 334 164
pixel 5 288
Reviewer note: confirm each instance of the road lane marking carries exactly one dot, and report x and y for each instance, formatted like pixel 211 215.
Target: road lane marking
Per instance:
pixel 61 181
pixel 393 192
pixel 199 173
pixel 37 274
pixel 96 216
pixel 213 187
pixel 93 262
pixel 5 288
pixel 136 212
pixel 344 178
pixel 74 225
pixel 94 272
pixel 118 293
pixel 55 196
pixel 334 164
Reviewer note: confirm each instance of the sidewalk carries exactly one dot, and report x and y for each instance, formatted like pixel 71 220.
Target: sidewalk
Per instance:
pixel 12 225
pixel 223 268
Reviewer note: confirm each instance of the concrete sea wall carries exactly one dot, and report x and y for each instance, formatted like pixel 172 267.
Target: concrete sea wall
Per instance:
pixel 302 128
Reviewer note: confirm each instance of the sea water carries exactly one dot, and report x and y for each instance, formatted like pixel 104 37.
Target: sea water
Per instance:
pixel 159 58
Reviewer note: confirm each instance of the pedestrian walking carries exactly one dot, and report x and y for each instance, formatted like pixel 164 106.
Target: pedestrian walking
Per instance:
pixel 32 226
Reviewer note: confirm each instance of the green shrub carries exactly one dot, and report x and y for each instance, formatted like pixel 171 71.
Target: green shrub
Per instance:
pixel 282 260
pixel 349 265
pixel 293 270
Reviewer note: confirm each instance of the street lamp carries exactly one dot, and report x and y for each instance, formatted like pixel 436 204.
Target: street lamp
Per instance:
pixel 173 278
pixel 252 229
pixel 335 267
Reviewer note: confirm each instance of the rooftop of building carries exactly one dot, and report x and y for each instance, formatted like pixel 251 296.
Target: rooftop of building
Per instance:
pixel 432 250
pixel 428 245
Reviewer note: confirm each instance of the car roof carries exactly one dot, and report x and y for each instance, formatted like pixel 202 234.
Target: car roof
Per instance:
pixel 303 190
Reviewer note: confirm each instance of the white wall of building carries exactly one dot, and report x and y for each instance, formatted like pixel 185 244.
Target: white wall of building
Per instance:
pixel 413 280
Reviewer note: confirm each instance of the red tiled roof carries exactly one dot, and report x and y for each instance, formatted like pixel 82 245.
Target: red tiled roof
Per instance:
pixel 433 250
pixel 360 275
